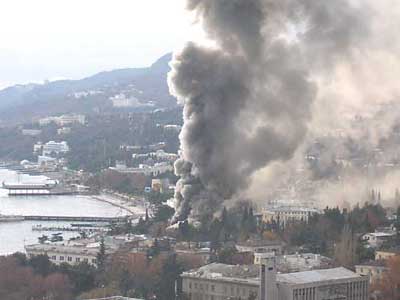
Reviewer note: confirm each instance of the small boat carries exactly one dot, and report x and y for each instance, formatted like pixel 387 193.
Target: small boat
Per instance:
pixel 56 237
pixel 43 239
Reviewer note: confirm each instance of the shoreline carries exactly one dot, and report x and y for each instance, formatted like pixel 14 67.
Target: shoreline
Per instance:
pixel 121 203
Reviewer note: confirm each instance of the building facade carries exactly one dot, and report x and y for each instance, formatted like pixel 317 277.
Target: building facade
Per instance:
pixel 377 239
pixel 284 214
pixel 337 283
pixel 226 282
pixel 221 282
pixel 296 262
pixel 387 253
pixel 260 246
pixel 59 254
pixel 54 147
pixel 374 269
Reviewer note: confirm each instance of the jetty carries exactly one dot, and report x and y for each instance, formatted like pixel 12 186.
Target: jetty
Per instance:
pixel 77 219
pixel 69 229
pixel 36 189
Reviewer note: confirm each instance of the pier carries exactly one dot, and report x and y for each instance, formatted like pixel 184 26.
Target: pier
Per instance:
pixel 37 189
pixel 76 219
pixel 69 229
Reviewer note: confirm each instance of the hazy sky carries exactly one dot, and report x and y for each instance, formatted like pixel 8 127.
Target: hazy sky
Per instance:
pixel 50 39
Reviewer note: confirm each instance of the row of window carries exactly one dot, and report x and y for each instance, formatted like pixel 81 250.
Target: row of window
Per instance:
pixel 232 291
pixel 77 259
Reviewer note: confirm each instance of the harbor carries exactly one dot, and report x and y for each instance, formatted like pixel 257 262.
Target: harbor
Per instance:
pixel 23 216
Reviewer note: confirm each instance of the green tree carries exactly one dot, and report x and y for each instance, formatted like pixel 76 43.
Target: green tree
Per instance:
pixel 21 258
pixel 397 225
pixel 252 296
pixel 101 256
pixel 82 276
pixel 41 264
pixel 171 270
pixel 126 282
pixel 163 213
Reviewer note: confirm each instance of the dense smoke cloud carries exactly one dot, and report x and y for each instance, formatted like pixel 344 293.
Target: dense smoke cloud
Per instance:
pixel 248 99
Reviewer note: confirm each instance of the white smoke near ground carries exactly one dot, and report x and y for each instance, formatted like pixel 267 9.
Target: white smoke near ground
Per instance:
pixel 357 104
pixel 276 69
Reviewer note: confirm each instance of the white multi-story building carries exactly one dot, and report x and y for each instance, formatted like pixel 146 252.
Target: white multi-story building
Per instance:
pixel 157 169
pixel 162 155
pixel 54 147
pixel 47 161
pixel 31 132
pixel 63 130
pixel 284 214
pixel 70 119
pixel 171 127
pixel 121 101
pixel 63 120
pixel 59 254
pixel 37 147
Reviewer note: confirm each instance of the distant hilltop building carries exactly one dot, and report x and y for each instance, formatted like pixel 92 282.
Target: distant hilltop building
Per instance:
pixel 85 94
pixel 54 147
pixel 64 130
pixel 31 132
pixel 171 127
pixel 63 120
pixel 159 155
pixel 122 101
pixel 152 147
pixel 47 162
pixel 155 170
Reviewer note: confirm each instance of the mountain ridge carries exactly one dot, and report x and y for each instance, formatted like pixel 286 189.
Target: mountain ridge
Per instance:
pixel 148 85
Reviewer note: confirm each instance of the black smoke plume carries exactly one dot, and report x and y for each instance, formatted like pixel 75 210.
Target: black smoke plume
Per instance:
pixel 248 99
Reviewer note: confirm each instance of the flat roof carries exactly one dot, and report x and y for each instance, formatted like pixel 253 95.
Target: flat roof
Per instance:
pixel 381 234
pixel 290 209
pixel 62 249
pixel 259 243
pixel 317 276
pixel 233 273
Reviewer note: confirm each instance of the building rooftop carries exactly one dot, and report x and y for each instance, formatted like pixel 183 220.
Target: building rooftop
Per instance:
pixel 317 276
pixel 236 273
pixel 381 234
pixel 373 263
pixel 290 208
pixel 259 243
pixel 395 250
pixel 81 250
pixel 302 262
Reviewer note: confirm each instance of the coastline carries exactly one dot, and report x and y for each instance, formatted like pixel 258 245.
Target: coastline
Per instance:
pixel 114 200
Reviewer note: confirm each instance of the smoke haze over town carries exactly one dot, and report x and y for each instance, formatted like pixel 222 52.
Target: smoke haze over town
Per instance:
pixel 199 150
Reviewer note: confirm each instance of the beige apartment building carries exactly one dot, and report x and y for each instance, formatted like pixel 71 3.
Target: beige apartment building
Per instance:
pixel 226 282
